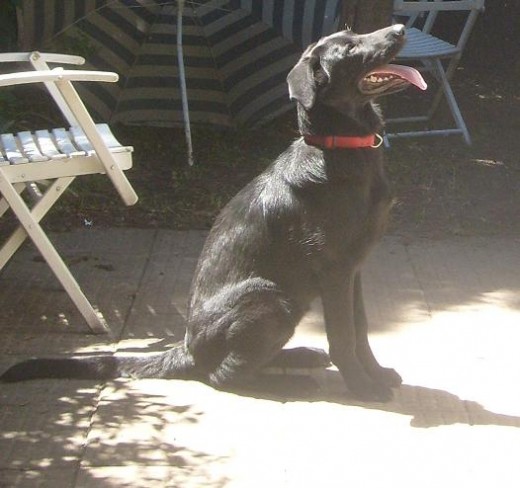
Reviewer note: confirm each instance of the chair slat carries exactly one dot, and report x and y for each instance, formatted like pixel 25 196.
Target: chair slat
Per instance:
pixel 419 44
pixel 47 145
pixel 30 149
pixel 80 139
pixel 12 151
pixel 64 143
pixel 109 139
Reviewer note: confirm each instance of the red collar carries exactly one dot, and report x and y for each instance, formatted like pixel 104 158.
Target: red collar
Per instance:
pixel 343 142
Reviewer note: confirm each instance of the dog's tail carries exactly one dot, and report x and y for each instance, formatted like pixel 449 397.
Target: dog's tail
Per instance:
pixel 176 363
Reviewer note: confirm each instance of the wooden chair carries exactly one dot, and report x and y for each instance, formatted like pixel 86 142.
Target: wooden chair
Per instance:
pixel 430 52
pixel 57 157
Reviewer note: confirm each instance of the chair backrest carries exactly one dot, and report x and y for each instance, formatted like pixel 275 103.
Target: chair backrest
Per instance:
pixel 412 18
pixel 59 83
pixel 39 63
pixel 426 11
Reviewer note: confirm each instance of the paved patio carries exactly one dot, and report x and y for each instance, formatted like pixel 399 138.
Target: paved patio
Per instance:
pixel 445 314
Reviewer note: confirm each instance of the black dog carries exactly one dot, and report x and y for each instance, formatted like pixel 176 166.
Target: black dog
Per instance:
pixel 299 230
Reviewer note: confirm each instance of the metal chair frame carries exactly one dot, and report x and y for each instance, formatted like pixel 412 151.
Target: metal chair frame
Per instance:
pixel 435 56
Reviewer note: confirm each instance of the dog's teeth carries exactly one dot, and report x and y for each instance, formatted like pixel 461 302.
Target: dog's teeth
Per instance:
pixel 379 79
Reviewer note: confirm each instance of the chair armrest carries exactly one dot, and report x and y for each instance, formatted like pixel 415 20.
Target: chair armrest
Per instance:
pixel 45 57
pixel 56 75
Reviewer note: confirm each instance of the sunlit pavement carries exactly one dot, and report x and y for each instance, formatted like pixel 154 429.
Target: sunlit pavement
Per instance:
pixel 445 314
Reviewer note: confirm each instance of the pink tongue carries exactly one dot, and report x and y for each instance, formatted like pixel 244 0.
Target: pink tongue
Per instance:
pixel 411 75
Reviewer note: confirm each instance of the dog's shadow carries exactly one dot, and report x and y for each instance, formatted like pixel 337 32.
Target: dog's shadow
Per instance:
pixel 427 407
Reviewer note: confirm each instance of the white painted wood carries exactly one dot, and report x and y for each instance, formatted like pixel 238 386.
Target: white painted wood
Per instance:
pixel 12 151
pixel 29 148
pixel 76 166
pixel 44 57
pixel 60 155
pixel 19 187
pixel 42 242
pixel 47 145
pixel 81 140
pixel 39 211
pixel 54 75
pixel 39 64
pixel 65 144
pixel 113 170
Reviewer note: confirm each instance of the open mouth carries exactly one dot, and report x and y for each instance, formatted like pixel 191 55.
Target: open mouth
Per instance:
pixel 390 78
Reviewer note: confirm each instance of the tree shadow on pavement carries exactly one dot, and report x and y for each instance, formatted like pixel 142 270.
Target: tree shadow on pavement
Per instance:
pixel 76 433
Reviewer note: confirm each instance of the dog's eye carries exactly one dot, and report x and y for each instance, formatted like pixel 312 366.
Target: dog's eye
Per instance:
pixel 320 74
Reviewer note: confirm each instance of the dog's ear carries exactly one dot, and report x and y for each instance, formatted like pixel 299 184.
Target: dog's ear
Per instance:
pixel 302 79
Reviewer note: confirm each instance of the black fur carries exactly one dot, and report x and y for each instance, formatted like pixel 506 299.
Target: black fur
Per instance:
pixel 301 229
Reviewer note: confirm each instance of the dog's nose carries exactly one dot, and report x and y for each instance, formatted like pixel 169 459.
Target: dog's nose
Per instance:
pixel 399 30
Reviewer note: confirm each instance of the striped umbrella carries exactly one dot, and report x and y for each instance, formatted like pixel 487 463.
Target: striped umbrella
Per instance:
pixel 236 54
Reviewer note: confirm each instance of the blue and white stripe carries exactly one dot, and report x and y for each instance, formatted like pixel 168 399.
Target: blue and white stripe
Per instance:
pixel 237 54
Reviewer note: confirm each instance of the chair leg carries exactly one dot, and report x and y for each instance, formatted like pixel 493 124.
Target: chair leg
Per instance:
pixel 4 206
pixel 452 102
pixel 450 70
pixel 39 211
pixel 44 245
pixel 437 69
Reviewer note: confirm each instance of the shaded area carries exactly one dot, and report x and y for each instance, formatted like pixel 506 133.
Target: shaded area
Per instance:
pixel 443 188
pixel 49 424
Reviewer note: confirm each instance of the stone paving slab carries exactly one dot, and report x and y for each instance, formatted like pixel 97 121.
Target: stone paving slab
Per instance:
pixel 445 314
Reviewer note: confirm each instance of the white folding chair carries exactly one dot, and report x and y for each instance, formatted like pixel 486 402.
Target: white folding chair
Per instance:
pixel 435 56
pixel 57 156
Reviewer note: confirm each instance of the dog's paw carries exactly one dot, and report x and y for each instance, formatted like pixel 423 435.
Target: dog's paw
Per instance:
pixel 301 357
pixel 387 376
pixel 363 386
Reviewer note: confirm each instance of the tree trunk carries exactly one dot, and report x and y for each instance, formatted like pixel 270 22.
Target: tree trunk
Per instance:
pixel 364 16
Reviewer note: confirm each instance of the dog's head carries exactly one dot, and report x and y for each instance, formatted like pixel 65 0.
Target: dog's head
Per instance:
pixel 346 68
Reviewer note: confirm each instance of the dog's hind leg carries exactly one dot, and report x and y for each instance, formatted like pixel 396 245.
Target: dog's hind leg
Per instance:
pixel 254 323
pixel 387 376
pixel 253 346
pixel 301 357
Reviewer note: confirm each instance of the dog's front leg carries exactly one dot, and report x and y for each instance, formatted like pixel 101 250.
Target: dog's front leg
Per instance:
pixel 364 352
pixel 337 294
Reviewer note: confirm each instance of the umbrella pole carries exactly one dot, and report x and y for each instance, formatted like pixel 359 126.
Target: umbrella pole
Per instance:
pixel 182 77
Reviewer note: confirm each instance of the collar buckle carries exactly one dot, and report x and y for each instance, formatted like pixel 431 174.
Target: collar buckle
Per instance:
pixel 380 141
